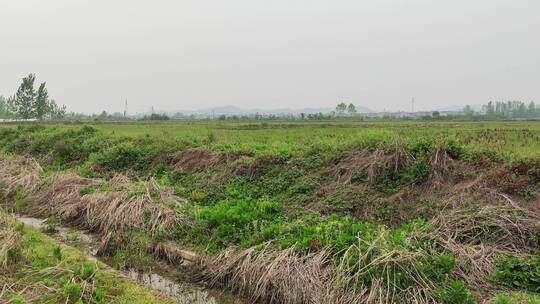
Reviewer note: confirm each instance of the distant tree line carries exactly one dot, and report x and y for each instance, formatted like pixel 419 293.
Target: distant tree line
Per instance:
pixel 29 103
pixel 511 109
pixel 155 116
pixel 103 116
pixel 341 108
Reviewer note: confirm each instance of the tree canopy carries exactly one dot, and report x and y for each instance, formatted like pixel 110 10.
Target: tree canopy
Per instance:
pixel 27 103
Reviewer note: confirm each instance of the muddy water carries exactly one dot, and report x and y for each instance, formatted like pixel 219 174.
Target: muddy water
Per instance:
pixel 158 281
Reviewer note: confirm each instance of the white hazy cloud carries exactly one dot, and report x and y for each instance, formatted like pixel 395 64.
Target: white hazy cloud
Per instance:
pixel 270 54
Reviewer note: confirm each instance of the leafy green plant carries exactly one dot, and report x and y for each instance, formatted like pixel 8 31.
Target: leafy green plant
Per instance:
pixel 234 220
pixel 86 271
pixel 519 273
pixel 57 253
pixel 124 155
pixel 51 225
pixel 455 292
pixel 516 298
pixel 72 291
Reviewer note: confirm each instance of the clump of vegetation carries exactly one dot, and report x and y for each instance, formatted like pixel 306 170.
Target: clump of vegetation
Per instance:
pixel 519 273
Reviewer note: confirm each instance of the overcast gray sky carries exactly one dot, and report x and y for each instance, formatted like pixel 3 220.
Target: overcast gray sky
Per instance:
pixel 184 54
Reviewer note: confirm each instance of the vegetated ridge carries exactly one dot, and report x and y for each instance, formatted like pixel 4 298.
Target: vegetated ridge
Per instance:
pixel 387 216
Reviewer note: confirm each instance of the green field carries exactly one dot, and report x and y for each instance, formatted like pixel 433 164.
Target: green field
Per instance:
pixel 521 139
pixel 382 211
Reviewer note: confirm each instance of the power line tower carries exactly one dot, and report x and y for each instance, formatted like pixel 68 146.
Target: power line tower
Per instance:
pixel 412 105
pixel 152 110
pixel 125 109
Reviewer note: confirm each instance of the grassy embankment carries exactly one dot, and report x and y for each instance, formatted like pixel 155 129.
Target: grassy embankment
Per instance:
pixel 37 269
pixel 367 211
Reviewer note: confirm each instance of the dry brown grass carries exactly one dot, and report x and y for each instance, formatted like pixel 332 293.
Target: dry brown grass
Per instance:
pixel 370 270
pixel 59 192
pixel 194 160
pixel 508 227
pixel 285 276
pixel 440 164
pixel 23 173
pixel 375 164
pixel 9 239
pixel 114 214
pixel 273 276
pixel 478 236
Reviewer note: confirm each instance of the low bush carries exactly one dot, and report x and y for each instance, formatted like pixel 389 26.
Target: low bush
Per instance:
pixel 455 292
pixel 519 273
pixel 120 157
pixel 235 220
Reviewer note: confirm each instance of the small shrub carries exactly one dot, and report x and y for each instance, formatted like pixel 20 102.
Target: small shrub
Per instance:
pixel 516 298
pixel 57 253
pixel 99 295
pixel 51 225
pixel 455 292
pixel 47 282
pixel 235 220
pixel 86 271
pixel 134 254
pixel 125 155
pixel 519 273
pixel 17 300
pixel 72 291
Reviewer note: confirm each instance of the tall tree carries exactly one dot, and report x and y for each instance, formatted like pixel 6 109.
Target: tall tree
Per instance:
pixel 41 106
pixel 25 97
pixel 341 108
pixel 490 109
pixel 3 107
pixel 532 109
pixel 351 109
pixel 468 111
pixel 55 111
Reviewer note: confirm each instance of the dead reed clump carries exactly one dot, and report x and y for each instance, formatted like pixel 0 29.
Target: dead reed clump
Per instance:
pixel 475 263
pixel 252 167
pixel 479 236
pixel 115 214
pixel 60 192
pixel 399 158
pixel 9 239
pixel 117 209
pixel 274 276
pixel 377 166
pixel 509 227
pixel 194 160
pixel 378 271
pixel 440 164
pixel 347 167
pixel 165 194
pixel 21 173
pixel 373 164
pixel 119 182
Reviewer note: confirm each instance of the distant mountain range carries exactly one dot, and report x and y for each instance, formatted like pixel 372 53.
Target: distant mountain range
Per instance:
pixel 476 108
pixel 232 110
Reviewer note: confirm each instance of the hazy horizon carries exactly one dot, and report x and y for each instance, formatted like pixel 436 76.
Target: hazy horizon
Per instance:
pixel 186 55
